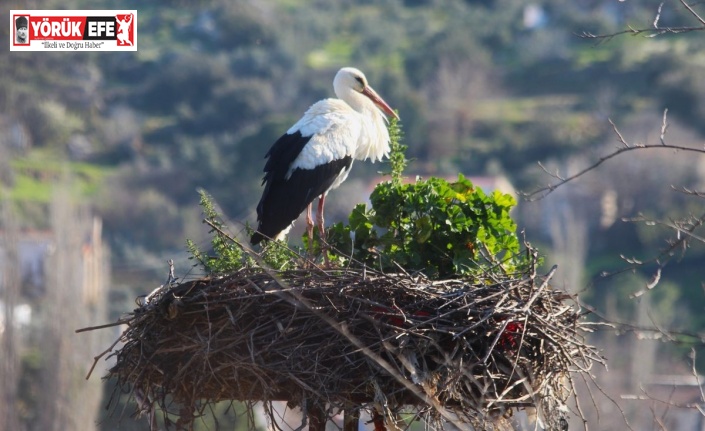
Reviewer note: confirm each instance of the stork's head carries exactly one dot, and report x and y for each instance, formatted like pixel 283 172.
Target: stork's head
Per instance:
pixel 350 81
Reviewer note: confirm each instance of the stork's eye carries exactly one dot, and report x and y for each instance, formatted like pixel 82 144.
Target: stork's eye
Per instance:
pixel 359 80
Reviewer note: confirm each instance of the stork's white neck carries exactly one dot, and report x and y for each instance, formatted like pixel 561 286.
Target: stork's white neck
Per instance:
pixel 355 99
pixel 374 137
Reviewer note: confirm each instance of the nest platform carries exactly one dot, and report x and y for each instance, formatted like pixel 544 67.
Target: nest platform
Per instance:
pixel 460 351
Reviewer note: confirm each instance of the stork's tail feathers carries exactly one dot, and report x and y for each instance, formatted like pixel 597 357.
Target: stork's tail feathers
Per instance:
pixel 256 238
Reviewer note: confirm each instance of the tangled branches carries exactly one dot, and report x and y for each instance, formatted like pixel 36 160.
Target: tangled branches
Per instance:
pixel 461 351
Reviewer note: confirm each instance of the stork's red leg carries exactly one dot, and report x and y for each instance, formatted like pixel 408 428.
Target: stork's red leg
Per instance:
pixel 351 419
pixel 378 420
pixel 319 217
pixel 322 229
pixel 316 419
pixel 309 225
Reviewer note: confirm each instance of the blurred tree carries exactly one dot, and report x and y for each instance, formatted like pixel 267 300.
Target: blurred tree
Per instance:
pixel 10 338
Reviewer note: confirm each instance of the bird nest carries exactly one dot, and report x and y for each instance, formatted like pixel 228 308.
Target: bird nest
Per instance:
pixel 462 351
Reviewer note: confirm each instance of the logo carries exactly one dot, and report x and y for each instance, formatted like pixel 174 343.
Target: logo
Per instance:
pixel 73 30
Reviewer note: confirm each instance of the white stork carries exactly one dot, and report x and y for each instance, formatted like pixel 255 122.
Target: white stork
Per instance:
pixel 316 154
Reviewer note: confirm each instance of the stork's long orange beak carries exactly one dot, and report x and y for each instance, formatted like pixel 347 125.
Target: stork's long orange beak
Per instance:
pixel 372 94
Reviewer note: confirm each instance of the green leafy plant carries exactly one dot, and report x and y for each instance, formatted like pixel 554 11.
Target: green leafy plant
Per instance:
pixel 397 154
pixel 442 228
pixel 280 256
pixel 227 254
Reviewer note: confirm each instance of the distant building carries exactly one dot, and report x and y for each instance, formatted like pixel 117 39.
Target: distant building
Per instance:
pixel 34 250
pixel 678 400
pixel 534 16
pixel 14 135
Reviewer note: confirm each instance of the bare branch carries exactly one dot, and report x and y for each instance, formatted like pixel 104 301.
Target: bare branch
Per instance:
pixel 655 29
pixel 658 15
pixel 692 12
pixel 618 133
pixel 542 192
pixel 650 32
pixel 664 127
pixel 685 232
pixel 697 378
pixel 677 337
pixel 654 281
pixel 688 191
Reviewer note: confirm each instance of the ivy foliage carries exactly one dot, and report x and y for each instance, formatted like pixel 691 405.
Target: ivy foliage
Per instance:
pixel 444 229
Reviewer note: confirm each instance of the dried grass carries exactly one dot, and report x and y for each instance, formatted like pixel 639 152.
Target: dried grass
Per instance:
pixel 465 351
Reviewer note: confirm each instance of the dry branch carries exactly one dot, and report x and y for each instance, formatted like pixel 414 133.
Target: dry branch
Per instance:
pixel 656 29
pixel 624 147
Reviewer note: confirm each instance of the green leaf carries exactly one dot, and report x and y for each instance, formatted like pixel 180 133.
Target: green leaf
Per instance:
pixel 424 229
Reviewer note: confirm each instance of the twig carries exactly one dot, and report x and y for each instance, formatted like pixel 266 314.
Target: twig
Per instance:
pixel 107 325
pixel 655 29
pixel 97 358
pixel 542 192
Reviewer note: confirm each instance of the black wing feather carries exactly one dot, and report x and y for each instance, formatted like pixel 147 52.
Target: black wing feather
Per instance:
pixel 282 155
pixel 285 199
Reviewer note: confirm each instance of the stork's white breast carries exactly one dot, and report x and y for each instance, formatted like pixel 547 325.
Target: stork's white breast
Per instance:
pixel 334 128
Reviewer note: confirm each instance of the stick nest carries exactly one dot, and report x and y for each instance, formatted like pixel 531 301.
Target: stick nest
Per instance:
pixel 465 351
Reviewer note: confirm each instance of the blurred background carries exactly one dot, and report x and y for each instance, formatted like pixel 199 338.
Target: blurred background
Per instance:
pixel 101 156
